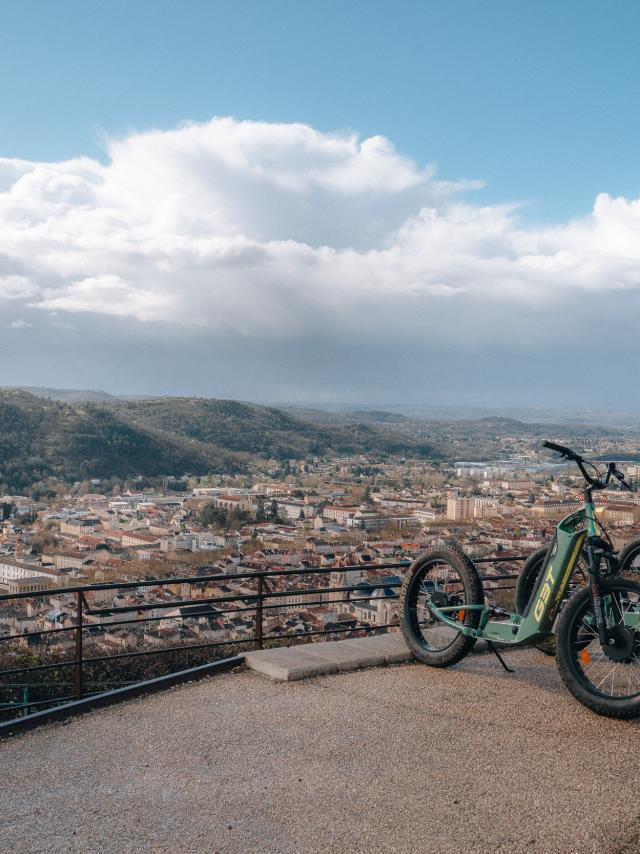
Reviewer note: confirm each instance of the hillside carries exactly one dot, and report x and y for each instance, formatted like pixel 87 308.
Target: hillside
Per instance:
pixel 42 437
pixel 259 430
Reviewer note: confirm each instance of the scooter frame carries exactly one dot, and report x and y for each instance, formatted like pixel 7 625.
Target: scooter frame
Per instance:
pixel 572 534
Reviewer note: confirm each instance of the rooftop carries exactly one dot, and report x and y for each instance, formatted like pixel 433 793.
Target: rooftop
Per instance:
pixel 400 758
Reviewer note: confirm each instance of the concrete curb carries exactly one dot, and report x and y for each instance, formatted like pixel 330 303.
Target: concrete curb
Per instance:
pixel 318 659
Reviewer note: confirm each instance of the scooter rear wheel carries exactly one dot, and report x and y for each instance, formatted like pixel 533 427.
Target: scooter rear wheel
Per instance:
pixel 447 578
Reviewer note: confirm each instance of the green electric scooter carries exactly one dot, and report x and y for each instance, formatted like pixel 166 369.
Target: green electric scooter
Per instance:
pixel 597 632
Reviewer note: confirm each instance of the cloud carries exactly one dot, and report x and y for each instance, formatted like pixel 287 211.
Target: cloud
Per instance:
pixel 16 287
pixel 108 295
pixel 257 232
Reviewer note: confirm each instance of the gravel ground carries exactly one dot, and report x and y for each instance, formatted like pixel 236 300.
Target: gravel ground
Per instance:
pixel 395 759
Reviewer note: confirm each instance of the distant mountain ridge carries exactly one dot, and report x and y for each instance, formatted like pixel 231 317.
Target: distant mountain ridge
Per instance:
pixel 385 413
pixel 464 413
pixel 67 395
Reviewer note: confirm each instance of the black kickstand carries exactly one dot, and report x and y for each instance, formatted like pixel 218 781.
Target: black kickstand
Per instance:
pixel 499 657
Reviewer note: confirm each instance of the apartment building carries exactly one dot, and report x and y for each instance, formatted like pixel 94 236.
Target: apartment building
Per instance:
pixel 552 508
pixel 77 527
pixel 338 513
pixel 460 508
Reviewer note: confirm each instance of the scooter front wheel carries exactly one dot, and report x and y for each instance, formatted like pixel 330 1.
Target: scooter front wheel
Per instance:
pixel 605 678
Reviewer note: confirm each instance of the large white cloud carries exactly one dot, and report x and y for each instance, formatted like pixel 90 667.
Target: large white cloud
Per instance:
pixel 274 231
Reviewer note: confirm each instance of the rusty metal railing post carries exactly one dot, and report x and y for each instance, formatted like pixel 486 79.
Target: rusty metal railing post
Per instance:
pixel 77 670
pixel 258 633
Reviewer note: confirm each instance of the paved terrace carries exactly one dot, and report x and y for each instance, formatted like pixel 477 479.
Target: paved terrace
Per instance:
pixel 393 759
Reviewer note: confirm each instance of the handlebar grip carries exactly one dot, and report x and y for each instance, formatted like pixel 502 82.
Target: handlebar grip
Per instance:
pixel 559 449
pixel 619 476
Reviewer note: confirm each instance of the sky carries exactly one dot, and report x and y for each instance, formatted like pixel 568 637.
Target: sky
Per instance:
pixel 378 202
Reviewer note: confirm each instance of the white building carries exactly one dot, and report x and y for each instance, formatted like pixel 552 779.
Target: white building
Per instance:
pixel 29 576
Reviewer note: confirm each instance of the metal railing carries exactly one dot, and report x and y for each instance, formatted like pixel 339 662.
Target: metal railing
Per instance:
pixel 260 603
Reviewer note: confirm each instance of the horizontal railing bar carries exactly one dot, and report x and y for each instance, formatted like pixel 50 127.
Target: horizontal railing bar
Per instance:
pixel 213 612
pixel 13 686
pixel 181 603
pixel 50 685
pixel 250 597
pixel 306 605
pixel 9 707
pixel 232 576
pixel 331 631
pixel 245 597
pixel 191 579
pixel 315 591
pixel 136 622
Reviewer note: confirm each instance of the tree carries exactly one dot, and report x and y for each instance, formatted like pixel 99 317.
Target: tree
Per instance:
pixel 213 516
pixel 42 541
pixel 252 546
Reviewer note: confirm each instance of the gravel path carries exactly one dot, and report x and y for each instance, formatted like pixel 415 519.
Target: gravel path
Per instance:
pixel 396 759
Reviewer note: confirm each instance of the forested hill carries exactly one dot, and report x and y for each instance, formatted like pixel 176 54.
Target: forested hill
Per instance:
pixel 41 437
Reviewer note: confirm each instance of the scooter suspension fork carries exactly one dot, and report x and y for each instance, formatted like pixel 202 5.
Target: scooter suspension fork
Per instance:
pixel 594 584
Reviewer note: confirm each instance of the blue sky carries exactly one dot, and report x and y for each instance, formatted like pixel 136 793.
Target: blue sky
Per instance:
pixel 236 199
pixel 538 99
